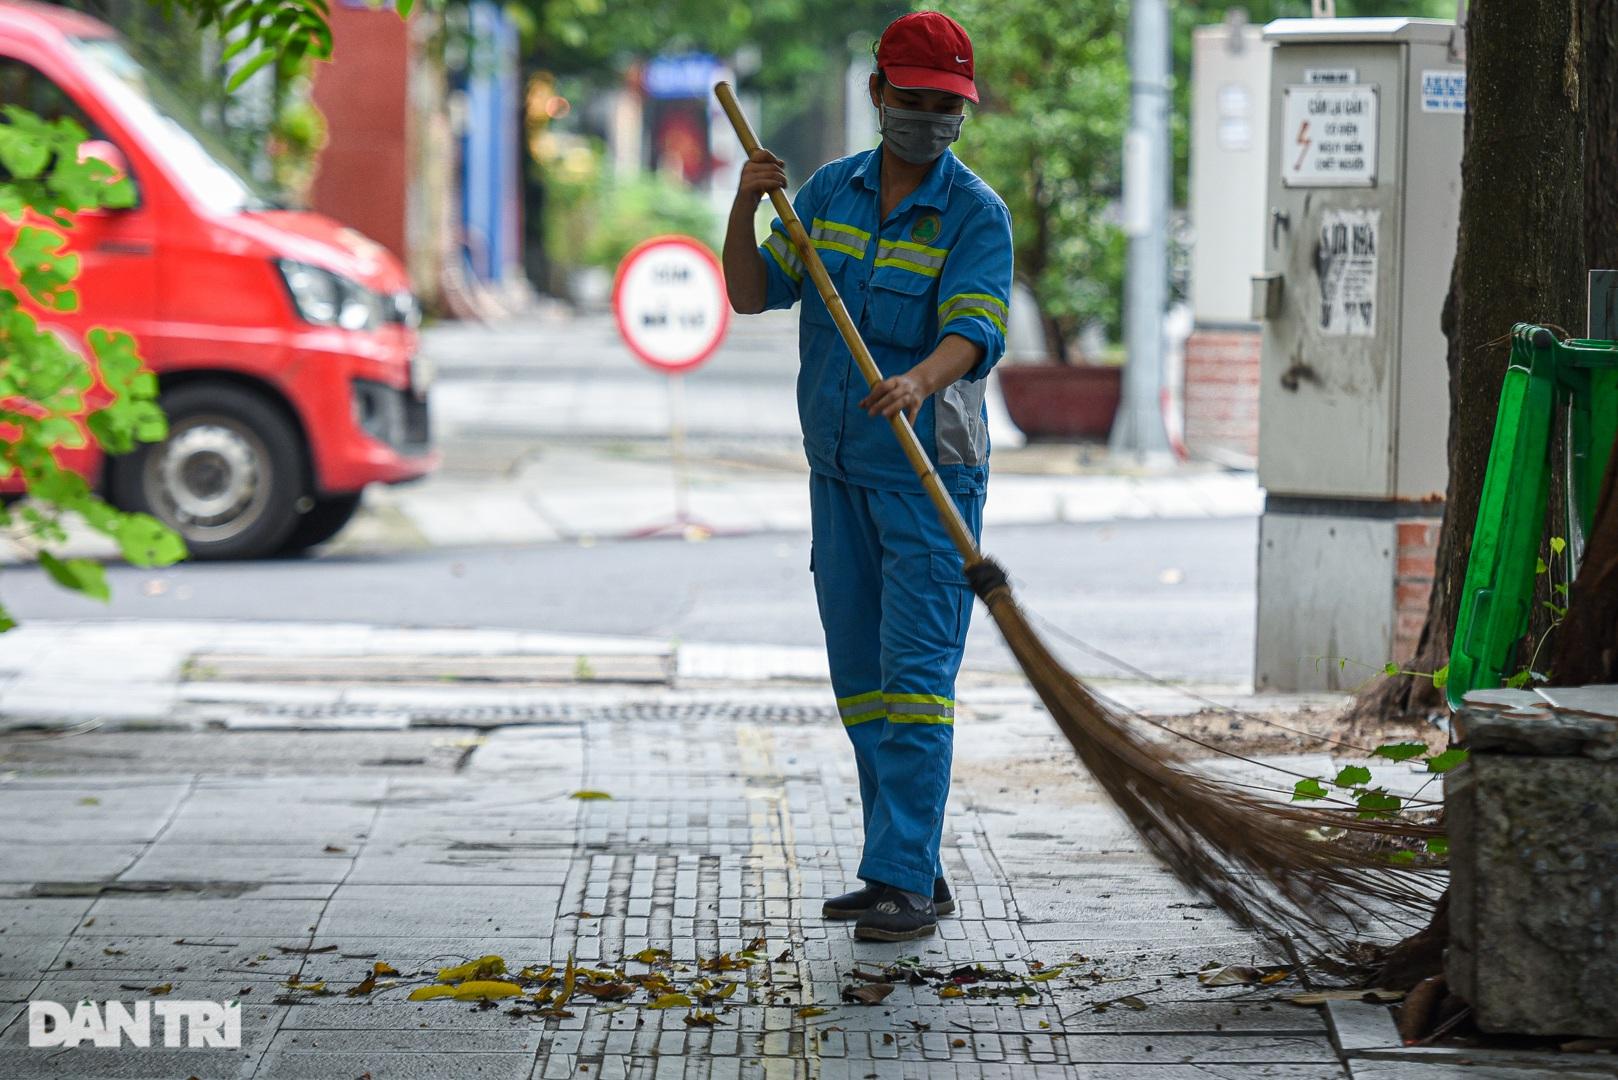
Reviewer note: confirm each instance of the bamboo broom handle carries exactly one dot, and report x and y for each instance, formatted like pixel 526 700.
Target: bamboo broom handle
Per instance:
pixel 948 513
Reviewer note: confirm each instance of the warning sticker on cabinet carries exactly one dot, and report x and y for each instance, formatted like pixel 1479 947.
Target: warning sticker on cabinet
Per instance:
pixel 1328 136
pixel 1348 275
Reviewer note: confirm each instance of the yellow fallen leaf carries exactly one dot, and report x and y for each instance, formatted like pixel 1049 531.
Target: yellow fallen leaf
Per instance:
pixel 542 997
pixel 806 1013
pixel 729 989
pixel 166 987
pixel 1274 977
pixel 951 992
pixel 701 1019
pixel 472 990
pixel 570 979
pixel 671 1001
pixel 477 969
pixel 1045 976
pixel 1044 1024
pixel 651 956
pixel 382 967
pixel 589 795
pixel 312 988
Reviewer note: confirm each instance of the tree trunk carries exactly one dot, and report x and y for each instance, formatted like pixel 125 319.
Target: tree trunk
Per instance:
pixel 1518 258
pixel 1585 649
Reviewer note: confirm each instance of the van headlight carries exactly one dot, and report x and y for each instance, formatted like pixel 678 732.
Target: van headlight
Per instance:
pixel 328 299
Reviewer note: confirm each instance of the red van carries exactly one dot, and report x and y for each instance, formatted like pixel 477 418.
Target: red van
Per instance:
pixel 284 343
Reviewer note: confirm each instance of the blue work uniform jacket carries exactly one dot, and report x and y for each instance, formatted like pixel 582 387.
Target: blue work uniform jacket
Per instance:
pixel 940 264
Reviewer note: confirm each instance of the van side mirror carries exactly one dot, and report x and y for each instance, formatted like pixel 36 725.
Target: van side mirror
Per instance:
pixel 108 154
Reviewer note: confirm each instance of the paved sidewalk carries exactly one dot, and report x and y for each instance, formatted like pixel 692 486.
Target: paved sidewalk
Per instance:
pixel 251 810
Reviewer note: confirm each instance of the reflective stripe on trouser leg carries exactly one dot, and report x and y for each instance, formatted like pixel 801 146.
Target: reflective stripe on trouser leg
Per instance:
pixel 847 566
pixel 926 610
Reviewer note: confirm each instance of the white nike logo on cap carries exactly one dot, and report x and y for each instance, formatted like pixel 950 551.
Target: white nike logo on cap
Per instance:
pixel 958 60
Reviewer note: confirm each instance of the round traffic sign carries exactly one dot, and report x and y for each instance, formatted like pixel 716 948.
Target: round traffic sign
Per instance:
pixel 670 301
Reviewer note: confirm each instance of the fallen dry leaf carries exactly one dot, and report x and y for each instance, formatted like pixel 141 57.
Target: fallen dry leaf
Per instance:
pixel 382 967
pixel 478 969
pixel 606 991
pixel 1230 975
pixel 365 986
pixel 701 1019
pixel 651 956
pixel 166 987
pixel 485 990
pixel 869 994
pixel 671 1001
pixel 951 992
pixel 589 795
pixel 809 1011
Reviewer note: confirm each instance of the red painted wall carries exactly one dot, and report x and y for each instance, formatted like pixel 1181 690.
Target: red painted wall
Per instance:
pixel 362 178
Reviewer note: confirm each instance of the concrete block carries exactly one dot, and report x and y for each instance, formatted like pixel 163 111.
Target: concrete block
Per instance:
pixel 1534 893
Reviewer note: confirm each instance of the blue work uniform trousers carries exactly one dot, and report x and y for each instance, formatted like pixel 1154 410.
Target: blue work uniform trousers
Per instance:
pixel 895 608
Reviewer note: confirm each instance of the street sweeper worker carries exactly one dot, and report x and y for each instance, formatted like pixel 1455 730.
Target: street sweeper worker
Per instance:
pixel 919 249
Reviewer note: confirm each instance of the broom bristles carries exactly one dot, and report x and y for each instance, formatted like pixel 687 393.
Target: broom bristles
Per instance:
pixel 1252 857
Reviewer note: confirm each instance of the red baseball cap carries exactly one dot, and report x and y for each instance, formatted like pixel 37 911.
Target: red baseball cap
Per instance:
pixel 927 50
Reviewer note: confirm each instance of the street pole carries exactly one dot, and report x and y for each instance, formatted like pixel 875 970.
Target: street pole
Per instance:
pixel 1138 429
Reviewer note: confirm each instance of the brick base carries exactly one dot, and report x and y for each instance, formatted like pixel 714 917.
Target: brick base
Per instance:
pixel 1415 563
pixel 1221 392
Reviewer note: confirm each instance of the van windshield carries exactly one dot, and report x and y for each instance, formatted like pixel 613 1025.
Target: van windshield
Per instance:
pixel 198 162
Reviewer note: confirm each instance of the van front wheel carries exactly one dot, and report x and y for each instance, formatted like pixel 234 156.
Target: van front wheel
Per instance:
pixel 227 478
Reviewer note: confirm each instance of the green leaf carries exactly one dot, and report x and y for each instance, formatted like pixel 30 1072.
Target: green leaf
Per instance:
pixel 1402 858
pixel 1440 763
pixel 1558 545
pixel 1400 751
pixel 1520 680
pixel 81 575
pixel 1441 678
pixel 1353 776
pixel 249 69
pixel 1438 845
pixel 6 621
pixel 1559 612
pixel 1378 804
pixel 146 541
pixel 1541 567
pixel 1390 668
pixel 1560 588
pixel 1308 788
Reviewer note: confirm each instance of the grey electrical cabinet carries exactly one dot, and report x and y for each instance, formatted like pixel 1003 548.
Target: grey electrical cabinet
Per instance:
pixel 1364 192
pixel 1363 182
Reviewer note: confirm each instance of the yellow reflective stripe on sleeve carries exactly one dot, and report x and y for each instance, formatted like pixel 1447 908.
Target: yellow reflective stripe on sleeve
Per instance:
pixel 981 304
pixel 780 249
pixel 960 313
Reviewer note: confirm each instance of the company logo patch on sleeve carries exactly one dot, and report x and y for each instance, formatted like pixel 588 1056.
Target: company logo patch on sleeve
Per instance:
pixel 926 229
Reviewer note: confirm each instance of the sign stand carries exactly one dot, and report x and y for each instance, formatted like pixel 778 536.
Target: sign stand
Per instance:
pixel 672 311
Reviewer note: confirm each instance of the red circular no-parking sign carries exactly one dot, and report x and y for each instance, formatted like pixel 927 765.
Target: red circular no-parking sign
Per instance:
pixel 670 300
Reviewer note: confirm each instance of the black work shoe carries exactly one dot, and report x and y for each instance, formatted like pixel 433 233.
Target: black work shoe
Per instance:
pixel 851 905
pixel 897 915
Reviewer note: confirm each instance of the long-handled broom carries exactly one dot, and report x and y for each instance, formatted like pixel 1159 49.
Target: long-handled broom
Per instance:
pixel 1268 865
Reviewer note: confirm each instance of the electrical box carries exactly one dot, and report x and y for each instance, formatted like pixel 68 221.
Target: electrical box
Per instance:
pixel 1363 181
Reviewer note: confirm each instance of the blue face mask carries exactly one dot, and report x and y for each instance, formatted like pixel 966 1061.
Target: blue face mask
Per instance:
pixel 918 137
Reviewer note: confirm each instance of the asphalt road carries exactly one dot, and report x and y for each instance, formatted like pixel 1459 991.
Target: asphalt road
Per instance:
pixel 1173 597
